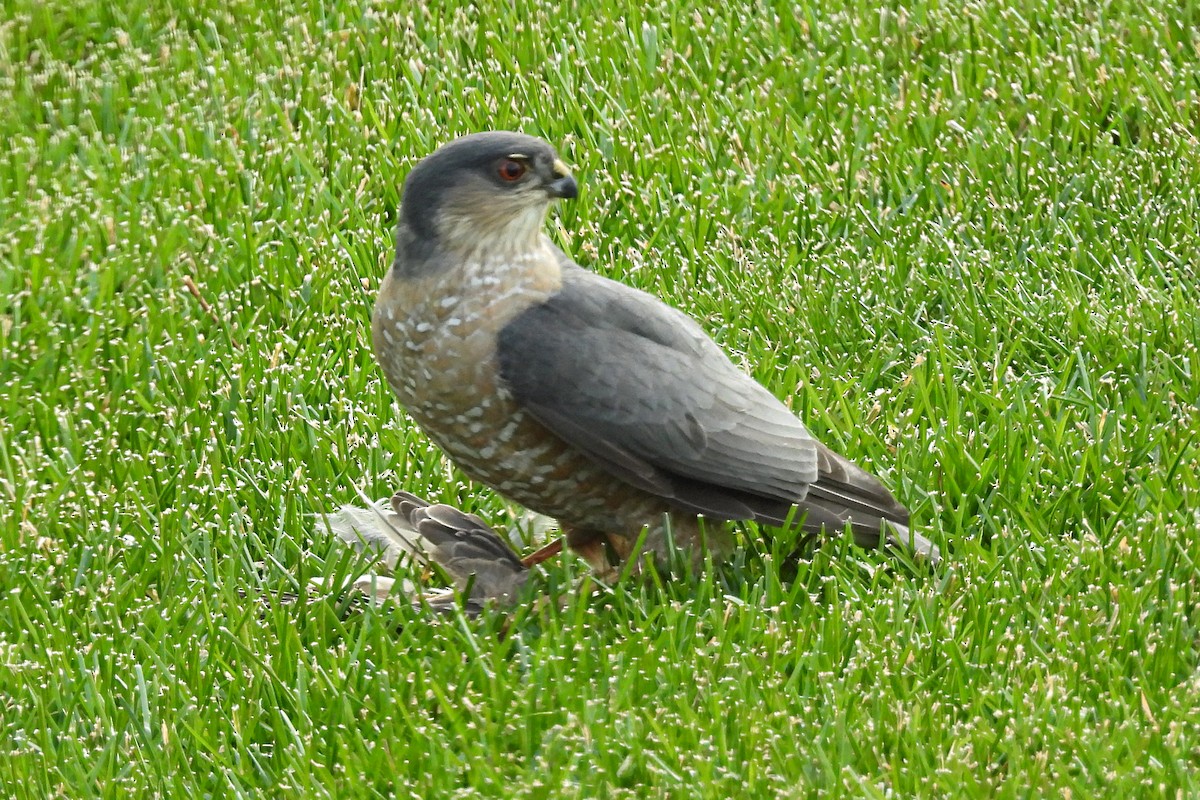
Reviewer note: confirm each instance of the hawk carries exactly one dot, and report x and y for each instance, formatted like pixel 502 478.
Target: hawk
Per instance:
pixel 582 398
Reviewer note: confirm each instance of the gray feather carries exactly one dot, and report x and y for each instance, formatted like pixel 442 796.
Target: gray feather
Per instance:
pixel 641 389
pixel 650 394
pixel 471 554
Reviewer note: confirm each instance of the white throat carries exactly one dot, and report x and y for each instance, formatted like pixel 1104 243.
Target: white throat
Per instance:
pixel 493 232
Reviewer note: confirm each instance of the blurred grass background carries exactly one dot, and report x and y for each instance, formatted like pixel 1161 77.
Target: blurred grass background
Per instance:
pixel 960 239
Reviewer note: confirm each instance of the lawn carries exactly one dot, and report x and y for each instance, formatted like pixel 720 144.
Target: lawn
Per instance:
pixel 961 240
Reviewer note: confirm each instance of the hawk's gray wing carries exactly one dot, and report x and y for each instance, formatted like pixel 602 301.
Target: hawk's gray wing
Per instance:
pixel 641 389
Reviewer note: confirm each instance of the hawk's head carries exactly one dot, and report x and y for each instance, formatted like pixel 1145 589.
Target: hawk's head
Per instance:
pixel 487 191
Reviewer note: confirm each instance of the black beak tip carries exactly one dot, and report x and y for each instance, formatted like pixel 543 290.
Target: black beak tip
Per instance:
pixel 565 188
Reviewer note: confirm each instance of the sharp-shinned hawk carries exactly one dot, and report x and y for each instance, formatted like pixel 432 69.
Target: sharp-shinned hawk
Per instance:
pixel 580 397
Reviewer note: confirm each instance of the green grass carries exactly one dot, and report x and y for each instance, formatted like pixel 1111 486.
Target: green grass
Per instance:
pixel 962 240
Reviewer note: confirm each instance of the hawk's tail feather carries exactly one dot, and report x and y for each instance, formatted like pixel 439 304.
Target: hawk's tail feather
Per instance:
pixel 902 538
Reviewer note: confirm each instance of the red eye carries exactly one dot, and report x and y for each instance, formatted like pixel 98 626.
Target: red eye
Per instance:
pixel 511 169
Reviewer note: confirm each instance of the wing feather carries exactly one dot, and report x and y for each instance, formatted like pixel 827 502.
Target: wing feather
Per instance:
pixel 642 390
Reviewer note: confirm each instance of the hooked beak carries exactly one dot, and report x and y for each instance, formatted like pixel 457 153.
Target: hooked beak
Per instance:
pixel 563 185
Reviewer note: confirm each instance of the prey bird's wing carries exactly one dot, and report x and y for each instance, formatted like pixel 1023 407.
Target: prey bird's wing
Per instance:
pixel 641 389
pixel 473 556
